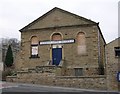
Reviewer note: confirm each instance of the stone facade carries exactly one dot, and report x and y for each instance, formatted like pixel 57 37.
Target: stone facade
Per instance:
pixel 113 65
pixel 68 25
pixel 82 63
pixel 1 62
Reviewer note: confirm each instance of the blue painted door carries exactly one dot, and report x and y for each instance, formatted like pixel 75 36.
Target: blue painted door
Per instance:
pixel 56 56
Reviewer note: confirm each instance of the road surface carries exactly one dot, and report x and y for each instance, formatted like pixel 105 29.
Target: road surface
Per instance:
pixel 20 88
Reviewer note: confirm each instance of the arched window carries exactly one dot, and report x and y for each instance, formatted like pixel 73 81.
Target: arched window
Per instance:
pixel 81 42
pixel 34 47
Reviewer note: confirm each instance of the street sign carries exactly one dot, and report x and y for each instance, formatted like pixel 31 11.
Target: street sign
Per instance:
pixel 118 76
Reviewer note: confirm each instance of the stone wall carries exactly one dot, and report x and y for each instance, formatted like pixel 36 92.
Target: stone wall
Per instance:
pixel 1 62
pixel 85 82
pixel 112 66
pixel 102 60
pixel 73 60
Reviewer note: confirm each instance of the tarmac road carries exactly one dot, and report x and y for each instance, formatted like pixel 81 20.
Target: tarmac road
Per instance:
pixel 20 88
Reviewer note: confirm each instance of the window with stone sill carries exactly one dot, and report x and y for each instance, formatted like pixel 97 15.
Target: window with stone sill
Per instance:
pixel 34 47
pixel 117 51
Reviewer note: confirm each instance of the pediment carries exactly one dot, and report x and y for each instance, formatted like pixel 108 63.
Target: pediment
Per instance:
pixel 57 17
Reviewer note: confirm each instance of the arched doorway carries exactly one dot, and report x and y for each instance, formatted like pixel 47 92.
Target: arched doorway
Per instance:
pixel 56 49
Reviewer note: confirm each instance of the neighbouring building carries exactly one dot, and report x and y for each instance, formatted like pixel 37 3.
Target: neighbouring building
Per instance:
pixel 1 63
pixel 113 64
pixel 64 49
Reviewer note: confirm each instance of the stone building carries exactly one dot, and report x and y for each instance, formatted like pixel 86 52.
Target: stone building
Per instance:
pixel 63 49
pixel 113 64
pixel 1 63
pixel 60 37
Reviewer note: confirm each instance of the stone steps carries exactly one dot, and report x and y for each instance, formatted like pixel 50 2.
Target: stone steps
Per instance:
pixel 39 71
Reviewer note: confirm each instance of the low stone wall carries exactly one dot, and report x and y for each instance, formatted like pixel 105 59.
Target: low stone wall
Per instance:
pixel 90 82
pixel 85 82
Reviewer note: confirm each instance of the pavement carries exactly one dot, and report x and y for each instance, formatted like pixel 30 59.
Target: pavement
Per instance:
pixel 21 88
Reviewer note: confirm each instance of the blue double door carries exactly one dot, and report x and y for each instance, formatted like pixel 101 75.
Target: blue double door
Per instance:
pixel 56 56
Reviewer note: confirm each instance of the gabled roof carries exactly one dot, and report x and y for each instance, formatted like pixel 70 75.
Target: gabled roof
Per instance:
pixel 62 17
pixel 117 39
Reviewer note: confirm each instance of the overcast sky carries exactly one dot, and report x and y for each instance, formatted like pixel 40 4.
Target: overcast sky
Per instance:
pixel 15 14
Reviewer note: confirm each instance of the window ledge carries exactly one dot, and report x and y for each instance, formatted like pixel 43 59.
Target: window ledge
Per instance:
pixel 34 57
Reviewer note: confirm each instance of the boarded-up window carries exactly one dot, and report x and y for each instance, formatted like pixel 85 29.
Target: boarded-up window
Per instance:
pixel 34 46
pixel 81 41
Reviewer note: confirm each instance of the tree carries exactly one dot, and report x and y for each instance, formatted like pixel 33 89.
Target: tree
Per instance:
pixel 9 57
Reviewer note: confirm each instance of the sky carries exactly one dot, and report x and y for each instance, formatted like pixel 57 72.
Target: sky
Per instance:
pixel 15 14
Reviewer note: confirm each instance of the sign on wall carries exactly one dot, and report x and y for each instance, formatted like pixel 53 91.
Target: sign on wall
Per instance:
pixel 57 42
pixel 118 76
pixel 35 50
